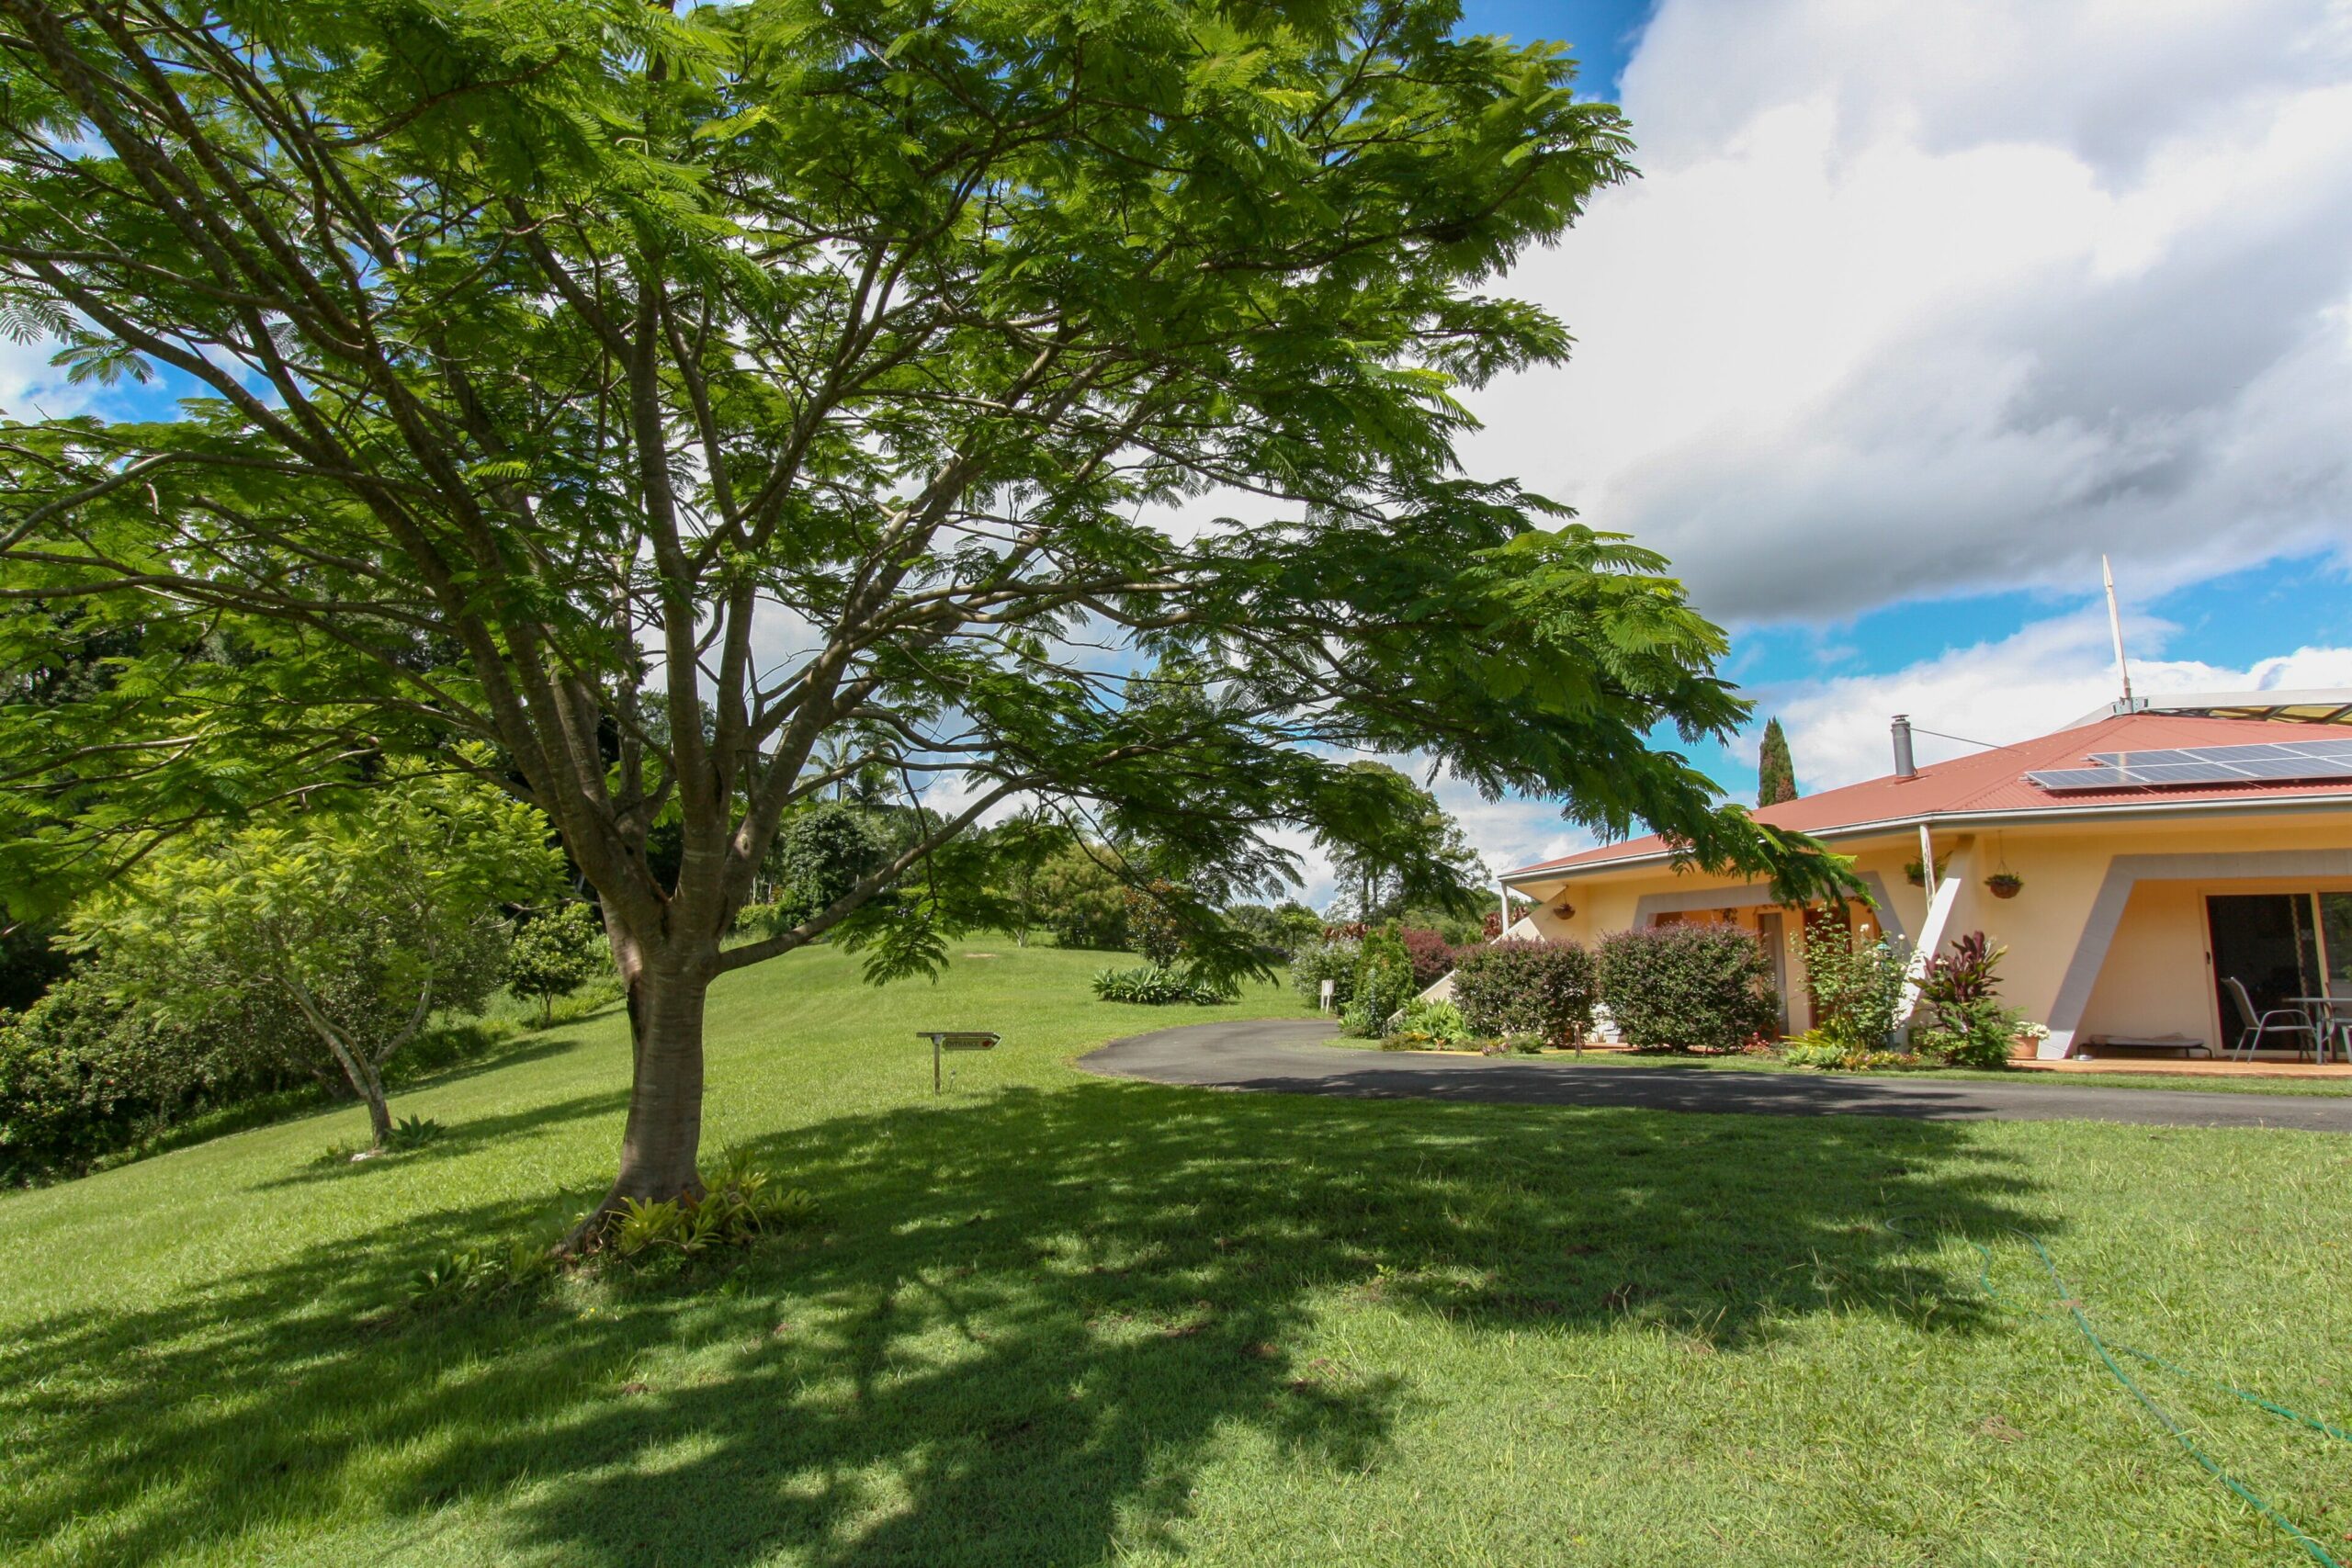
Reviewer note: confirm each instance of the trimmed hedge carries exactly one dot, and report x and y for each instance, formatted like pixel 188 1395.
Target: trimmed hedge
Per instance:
pixel 1526 988
pixel 1685 987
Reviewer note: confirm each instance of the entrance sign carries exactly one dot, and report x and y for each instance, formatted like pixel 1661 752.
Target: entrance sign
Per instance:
pixel 957 1039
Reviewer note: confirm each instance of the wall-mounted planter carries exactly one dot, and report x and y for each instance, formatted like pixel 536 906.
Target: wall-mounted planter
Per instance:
pixel 2003 884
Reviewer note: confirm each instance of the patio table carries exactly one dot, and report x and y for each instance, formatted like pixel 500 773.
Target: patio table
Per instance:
pixel 2331 1016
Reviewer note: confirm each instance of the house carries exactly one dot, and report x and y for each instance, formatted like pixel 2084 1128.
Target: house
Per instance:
pixel 2158 850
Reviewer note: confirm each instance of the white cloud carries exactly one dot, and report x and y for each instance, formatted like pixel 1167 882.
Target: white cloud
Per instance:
pixel 1922 299
pixel 2047 675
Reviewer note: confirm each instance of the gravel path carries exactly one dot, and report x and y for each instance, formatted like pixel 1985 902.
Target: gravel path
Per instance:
pixel 1289 1056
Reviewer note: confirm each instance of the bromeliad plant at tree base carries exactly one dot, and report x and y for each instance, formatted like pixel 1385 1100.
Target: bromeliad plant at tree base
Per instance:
pixel 528 362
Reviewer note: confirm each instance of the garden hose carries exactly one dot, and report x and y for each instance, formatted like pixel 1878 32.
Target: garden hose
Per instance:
pixel 2072 1305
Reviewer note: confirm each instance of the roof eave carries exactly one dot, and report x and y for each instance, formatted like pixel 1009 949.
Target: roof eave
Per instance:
pixel 2238 806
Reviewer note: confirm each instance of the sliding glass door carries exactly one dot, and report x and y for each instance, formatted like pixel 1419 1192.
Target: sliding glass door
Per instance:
pixel 2269 942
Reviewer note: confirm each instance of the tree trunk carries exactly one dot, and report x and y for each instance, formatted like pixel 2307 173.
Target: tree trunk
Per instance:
pixel 380 1112
pixel 664 1136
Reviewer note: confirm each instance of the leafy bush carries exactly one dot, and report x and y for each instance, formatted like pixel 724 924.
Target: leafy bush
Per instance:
pixel 1685 986
pixel 1335 959
pixel 1433 956
pixel 1526 988
pixel 1423 1026
pixel 82 1076
pixel 1857 991
pixel 1384 984
pixel 1965 1023
pixel 554 954
pixel 1156 985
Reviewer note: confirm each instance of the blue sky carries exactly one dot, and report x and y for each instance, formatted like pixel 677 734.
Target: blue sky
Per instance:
pixel 1915 311
pixel 1601 31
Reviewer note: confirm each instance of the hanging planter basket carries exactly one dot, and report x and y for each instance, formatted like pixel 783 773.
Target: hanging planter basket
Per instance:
pixel 1916 874
pixel 2004 885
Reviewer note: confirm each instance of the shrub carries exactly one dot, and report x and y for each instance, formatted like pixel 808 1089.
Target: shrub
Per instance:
pixel 1423 1025
pixel 1335 959
pixel 82 1076
pixel 1156 985
pixel 1682 988
pixel 1526 988
pixel 1433 956
pixel 1384 984
pixel 1964 1022
pixel 1857 991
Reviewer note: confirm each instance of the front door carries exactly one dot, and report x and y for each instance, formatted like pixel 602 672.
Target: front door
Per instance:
pixel 2266 940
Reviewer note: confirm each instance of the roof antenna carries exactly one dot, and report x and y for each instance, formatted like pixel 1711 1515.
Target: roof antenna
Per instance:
pixel 2115 626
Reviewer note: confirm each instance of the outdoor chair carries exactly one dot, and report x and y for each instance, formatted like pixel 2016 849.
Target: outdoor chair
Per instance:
pixel 2259 1027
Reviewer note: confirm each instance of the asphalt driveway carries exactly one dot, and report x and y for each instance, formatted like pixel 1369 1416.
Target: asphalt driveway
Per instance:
pixel 1291 1056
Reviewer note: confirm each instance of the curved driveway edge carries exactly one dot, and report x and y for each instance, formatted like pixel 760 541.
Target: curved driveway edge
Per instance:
pixel 1288 1056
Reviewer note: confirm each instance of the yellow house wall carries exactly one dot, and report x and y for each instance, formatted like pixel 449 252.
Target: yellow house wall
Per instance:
pixel 2156 977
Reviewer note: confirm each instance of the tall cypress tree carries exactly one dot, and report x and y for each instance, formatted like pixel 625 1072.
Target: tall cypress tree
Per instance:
pixel 1776 775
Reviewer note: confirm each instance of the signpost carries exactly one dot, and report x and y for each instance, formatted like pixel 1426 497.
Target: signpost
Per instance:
pixel 954 1040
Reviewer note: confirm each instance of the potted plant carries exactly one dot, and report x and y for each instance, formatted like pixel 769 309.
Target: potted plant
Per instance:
pixel 2004 884
pixel 1917 874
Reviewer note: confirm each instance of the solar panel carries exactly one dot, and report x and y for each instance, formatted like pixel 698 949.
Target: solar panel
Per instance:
pixel 2285 762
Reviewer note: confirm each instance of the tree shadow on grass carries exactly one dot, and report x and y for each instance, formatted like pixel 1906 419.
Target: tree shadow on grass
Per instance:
pixel 468 1136
pixel 1027 1321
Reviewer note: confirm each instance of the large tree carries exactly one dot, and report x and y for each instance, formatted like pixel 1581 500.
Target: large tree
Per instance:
pixel 813 366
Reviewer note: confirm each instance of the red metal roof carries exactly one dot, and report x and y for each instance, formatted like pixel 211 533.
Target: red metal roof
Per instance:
pixel 1993 783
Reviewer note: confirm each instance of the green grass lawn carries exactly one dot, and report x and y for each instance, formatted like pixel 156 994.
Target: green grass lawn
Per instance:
pixel 1048 1319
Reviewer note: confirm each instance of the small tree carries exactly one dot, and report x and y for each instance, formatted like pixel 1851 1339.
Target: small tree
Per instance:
pixel 1152 930
pixel 554 954
pixel 1023 847
pixel 1085 901
pixel 1336 959
pixel 363 917
pixel 824 850
pixel 1776 771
